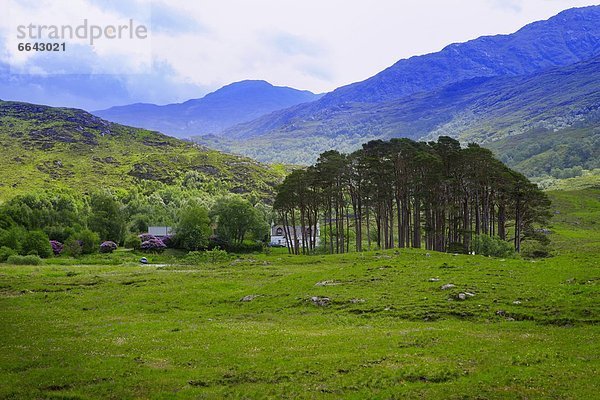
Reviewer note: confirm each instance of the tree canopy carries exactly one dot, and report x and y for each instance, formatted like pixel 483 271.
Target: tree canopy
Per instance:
pixel 235 218
pixel 193 230
pixel 402 193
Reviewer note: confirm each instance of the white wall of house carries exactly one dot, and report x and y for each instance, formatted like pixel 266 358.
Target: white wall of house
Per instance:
pixel 160 230
pixel 279 232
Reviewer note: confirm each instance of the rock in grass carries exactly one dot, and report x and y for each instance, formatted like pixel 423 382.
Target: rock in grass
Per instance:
pixel 356 301
pixel 249 297
pixel 434 279
pixel 464 296
pixel 447 286
pixel 327 283
pixel 320 301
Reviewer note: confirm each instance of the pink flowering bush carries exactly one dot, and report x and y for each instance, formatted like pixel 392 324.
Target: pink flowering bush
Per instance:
pixel 154 245
pixel 57 247
pixel 108 247
pixel 167 240
pixel 144 237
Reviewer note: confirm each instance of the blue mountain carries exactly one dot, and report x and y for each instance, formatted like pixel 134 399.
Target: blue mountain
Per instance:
pixel 541 80
pixel 232 104
pixel 568 38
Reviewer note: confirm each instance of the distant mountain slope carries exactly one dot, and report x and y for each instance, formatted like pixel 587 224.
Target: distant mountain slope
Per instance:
pixel 45 147
pixel 570 37
pixel 543 77
pixel 484 110
pixel 230 105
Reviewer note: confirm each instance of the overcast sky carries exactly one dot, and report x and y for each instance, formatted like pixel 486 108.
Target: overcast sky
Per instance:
pixel 198 46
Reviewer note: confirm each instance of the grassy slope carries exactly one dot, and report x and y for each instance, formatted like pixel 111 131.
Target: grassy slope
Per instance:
pixel 576 222
pixel 44 147
pixel 181 332
pixel 537 152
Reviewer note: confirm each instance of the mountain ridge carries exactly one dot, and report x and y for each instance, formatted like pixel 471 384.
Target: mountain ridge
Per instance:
pixel 554 33
pixel 234 103
pixel 436 100
pixel 483 110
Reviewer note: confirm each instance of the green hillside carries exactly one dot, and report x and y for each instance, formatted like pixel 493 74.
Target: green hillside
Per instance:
pixel 45 147
pixel 576 223
pixel 386 330
pixel 541 152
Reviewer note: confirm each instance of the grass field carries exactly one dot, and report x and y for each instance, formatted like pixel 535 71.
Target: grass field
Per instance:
pixel 388 331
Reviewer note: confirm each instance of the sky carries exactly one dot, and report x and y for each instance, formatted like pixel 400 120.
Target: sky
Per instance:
pixel 195 47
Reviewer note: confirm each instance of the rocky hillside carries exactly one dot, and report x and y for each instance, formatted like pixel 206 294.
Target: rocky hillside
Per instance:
pixel 45 147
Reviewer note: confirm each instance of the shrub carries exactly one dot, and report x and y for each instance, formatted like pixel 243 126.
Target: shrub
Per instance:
pixel 144 237
pixel 214 256
pixel 216 242
pixel 236 218
pixel 57 247
pixel 138 223
pixel 153 246
pixel 59 233
pixel 534 249
pixel 193 230
pixel 167 240
pixel 89 241
pixel 6 252
pixel 24 260
pixel 106 217
pixel 72 247
pixel 37 243
pixel 132 242
pixel 456 247
pixel 13 237
pixel 247 247
pixel 108 247
pixel 491 246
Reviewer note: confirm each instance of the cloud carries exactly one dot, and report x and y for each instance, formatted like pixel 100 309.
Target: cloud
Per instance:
pixel 96 91
pixel 196 47
pixel 515 6
pixel 171 21
pixel 320 72
pixel 289 44
pixel 136 9
pixel 121 55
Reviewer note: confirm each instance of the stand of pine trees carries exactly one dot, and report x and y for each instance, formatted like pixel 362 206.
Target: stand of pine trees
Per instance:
pixel 403 193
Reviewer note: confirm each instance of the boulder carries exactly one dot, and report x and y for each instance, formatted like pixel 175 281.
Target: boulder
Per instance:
pixel 320 301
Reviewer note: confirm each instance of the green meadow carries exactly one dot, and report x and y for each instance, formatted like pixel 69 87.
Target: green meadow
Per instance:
pixel 369 325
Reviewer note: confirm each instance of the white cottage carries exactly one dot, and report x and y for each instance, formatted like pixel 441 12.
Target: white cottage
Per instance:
pixel 279 234
pixel 160 230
